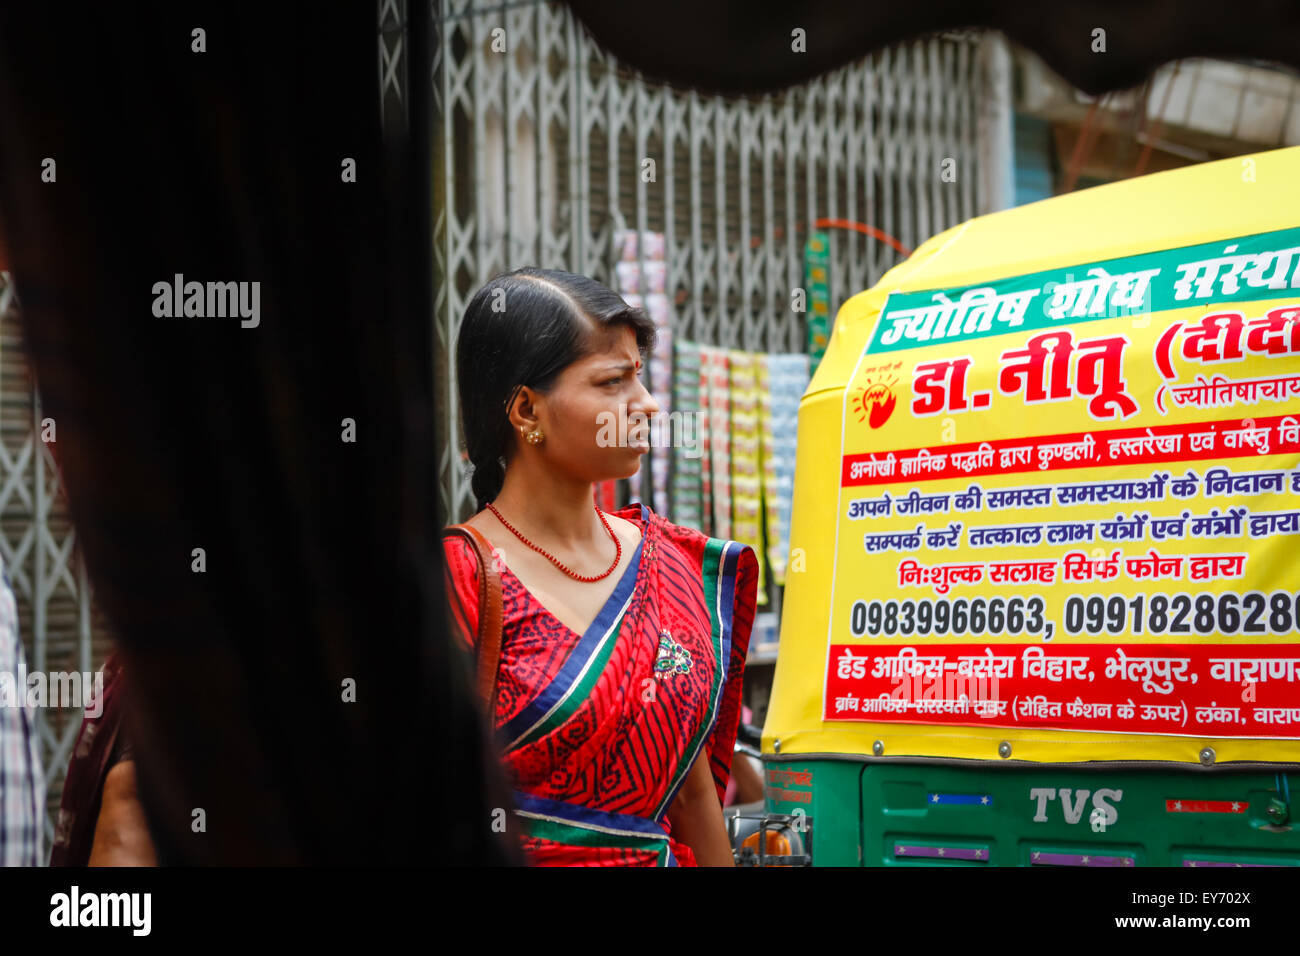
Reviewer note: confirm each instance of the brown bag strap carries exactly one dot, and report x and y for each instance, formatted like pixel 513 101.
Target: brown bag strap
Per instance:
pixel 489 613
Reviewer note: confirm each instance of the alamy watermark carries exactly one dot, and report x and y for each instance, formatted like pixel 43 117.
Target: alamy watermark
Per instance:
pixel 32 689
pixel 675 429
pixel 181 299
pixel 950 693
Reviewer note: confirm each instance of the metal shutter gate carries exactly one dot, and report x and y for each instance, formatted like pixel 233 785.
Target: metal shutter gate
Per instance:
pixel 539 143
pixel 59 630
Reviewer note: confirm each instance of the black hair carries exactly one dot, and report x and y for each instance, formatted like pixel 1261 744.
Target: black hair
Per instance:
pixel 524 328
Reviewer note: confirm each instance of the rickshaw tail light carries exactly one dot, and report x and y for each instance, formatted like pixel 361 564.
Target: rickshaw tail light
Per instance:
pixel 777 843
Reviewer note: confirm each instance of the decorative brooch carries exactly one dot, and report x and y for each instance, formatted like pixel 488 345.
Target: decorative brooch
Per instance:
pixel 672 657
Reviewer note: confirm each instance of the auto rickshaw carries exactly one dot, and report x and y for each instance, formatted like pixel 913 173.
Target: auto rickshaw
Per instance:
pixel 1043 597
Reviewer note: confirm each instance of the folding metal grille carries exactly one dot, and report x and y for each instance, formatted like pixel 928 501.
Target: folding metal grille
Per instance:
pixel 60 632
pixel 544 146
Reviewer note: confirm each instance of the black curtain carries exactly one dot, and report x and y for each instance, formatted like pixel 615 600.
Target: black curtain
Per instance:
pixel 184 433
pixel 747 46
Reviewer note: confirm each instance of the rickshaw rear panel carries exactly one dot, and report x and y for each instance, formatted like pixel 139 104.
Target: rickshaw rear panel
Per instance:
pixel 1041 605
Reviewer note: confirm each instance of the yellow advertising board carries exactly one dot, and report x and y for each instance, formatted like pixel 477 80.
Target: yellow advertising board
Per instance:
pixel 1047 487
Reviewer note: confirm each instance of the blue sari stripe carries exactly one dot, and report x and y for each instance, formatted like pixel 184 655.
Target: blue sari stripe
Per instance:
pixel 727 603
pixel 565 708
pixel 624 824
pixel 603 629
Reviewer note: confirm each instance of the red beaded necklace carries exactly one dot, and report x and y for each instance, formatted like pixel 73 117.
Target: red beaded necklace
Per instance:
pixel 618 547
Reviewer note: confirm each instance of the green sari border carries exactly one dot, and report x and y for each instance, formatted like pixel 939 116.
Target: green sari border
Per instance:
pixel 557 831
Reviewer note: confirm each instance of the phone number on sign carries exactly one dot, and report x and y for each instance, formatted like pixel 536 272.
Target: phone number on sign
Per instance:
pixel 1227 614
pixel 976 616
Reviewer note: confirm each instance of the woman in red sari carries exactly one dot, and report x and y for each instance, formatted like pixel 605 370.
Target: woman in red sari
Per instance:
pixel 624 636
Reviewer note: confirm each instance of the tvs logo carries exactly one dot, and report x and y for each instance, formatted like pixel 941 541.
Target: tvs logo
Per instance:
pixel 875 401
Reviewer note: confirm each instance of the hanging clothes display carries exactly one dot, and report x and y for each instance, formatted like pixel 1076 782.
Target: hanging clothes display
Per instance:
pixel 782 381
pixel 746 469
pixel 817 264
pixel 688 457
pixel 642 278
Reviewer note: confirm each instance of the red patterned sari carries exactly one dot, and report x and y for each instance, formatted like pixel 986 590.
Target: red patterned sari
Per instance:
pixel 600 729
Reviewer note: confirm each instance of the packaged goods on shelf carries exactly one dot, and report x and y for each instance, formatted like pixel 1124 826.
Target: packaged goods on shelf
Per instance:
pixel 715 394
pixel 746 485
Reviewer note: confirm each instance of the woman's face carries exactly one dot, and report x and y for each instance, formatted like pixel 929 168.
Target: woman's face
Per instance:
pixel 596 417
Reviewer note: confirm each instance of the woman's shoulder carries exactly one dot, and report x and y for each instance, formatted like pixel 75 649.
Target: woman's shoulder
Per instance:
pixel 461 545
pixel 458 551
pixel 461 564
pixel 461 567
pixel 631 532
pixel 705 551
pixel 693 544
pixel 690 539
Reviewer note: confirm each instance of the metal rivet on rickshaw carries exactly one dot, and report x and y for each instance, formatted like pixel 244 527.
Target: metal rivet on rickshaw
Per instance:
pixel 776 745
pixel 1004 749
pixel 878 747
pixel 1207 756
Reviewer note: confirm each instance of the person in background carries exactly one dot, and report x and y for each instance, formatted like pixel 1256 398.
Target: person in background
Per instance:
pixel 22 784
pixel 746 783
pixel 101 821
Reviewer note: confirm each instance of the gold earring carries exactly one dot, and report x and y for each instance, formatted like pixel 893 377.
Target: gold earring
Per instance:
pixel 535 437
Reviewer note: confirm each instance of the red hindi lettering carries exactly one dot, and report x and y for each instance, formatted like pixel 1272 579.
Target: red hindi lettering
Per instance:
pixel 928 382
pixel 1029 368
pixel 1231 565
pixel 1101 375
pixel 1216 338
pixel 1268 335
pixel 940 387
